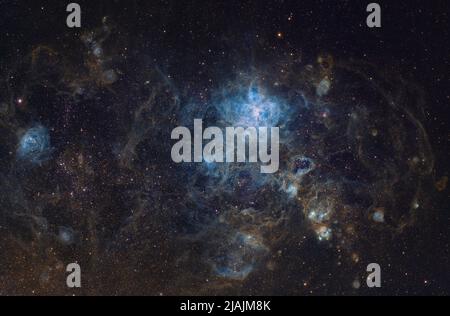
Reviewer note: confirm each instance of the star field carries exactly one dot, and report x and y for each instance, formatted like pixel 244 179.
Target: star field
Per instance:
pixel 86 173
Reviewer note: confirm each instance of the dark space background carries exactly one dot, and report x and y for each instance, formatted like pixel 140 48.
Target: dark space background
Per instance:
pixel 86 174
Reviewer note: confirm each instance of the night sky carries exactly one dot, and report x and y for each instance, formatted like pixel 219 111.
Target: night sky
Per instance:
pixel 86 174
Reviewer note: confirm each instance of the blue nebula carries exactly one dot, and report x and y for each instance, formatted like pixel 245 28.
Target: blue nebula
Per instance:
pixel 291 190
pixel 250 107
pixel 323 87
pixel 66 235
pixel 378 216
pixel 34 146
